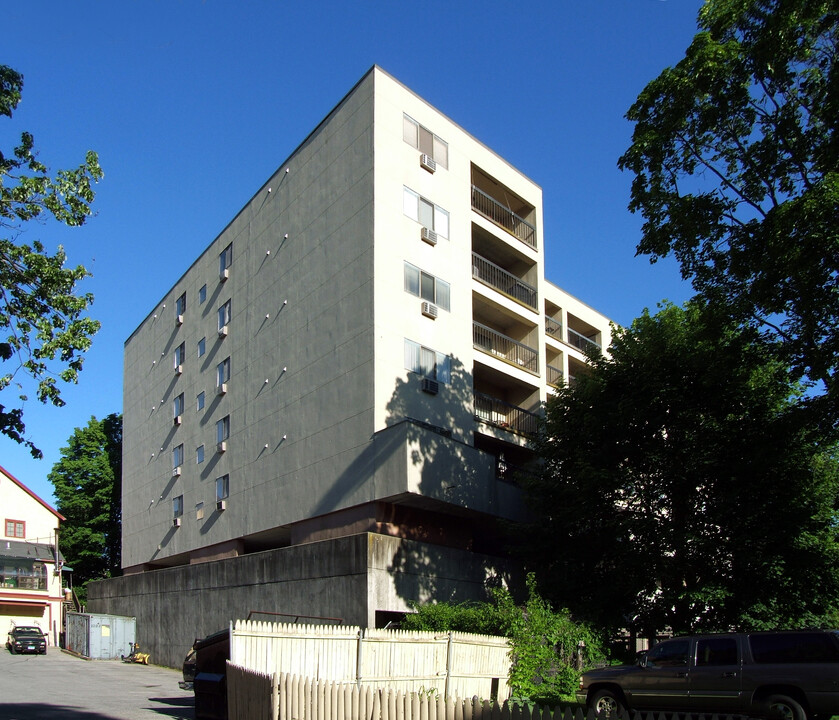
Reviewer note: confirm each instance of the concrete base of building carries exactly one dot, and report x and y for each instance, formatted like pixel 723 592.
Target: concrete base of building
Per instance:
pixel 363 579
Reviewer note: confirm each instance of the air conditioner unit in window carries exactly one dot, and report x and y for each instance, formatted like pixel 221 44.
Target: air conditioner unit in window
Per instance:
pixel 176 522
pixel 429 310
pixel 221 505
pixel 179 320
pixel 221 447
pixel 429 236
pixel 176 472
pixel 432 387
pixel 177 420
pixel 427 163
pixel 224 274
pixel 222 331
pixel 179 369
pixel 221 389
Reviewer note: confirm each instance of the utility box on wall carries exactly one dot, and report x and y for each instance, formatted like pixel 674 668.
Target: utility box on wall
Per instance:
pixel 100 637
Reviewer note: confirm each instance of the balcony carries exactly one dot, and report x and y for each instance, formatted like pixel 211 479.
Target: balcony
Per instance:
pixel 553 328
pixel 504 415
pixel 580 341
pixel 505 348
pixel 554 376
pixel 502 216
pixel 505 282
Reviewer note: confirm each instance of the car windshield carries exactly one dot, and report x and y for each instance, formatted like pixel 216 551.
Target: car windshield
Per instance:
pixel 26 630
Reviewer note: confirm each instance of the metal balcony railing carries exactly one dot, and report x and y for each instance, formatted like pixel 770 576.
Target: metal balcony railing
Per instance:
pixel 494 343
pixel 490 208
pixel 554 376
pixel 505 282
pixel 581 342
pixel 553 328
pixel 504 415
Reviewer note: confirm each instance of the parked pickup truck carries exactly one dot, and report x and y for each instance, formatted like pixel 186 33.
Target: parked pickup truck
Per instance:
pixel 790 675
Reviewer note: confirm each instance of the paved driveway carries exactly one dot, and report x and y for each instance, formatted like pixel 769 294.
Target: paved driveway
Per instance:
pixel 58 686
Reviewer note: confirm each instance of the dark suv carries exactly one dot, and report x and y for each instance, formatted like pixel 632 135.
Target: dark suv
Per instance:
pixel 26 638
pixel 793 675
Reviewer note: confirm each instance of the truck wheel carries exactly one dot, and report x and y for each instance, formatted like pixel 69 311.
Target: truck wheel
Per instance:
pixel 606 704
pixel 783 707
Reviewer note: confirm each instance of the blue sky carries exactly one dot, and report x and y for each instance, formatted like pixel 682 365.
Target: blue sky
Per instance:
pixel 192 105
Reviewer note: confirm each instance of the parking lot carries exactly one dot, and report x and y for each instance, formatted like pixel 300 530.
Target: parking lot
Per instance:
pixel 58 686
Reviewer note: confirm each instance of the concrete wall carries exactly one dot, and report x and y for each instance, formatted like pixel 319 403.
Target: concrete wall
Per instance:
pixel 348 577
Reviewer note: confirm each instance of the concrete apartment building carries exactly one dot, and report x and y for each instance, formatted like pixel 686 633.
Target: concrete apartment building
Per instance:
pixel 322 416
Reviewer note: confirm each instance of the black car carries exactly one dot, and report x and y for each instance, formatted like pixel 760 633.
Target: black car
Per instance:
pixel 26 639
pixel 791 675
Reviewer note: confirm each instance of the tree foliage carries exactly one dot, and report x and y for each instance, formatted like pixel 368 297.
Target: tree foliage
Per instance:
pixel 43 330
pixel 683 486
pixel 88 486
pixel 546 646
pixel 735 154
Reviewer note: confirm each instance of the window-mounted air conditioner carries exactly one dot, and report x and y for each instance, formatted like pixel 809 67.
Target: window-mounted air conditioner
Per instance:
pixel 179 369
pixel 221 447
pixel 222 331
pixel 224 274
pixel 179 320
pixel 176 472
pixel 221 505
pixel 177 420
pixel 427 163
pixel 429 310
pixel 176 522
pixel 429 236
pixel 221 389
pixel 432 387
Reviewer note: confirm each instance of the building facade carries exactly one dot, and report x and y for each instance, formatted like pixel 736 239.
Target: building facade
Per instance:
pixel 30 565
pixel 364 350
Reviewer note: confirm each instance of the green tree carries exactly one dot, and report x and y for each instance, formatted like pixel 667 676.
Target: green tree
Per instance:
pixel 88 484
pixel 546 646
pixel 43 331
pixel 684 486
pixel 735 155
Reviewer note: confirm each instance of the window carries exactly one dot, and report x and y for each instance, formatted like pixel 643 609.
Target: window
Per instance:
pixel 178 405
pixel 202 346
pixel 178 506
pixel 794 647
pixel 223 429
pixel 424 211
pixel 424 285
pixel 178 456
pixel 201 400
pixel 15 528
pixel 180 355
pixel 225 259
pixel 23 574
pixel 716 651
pixel 180 306
pixel 224 315
pixel 199 511
pixel 223 372
pixel 425 141
pixel 427 362
pixel 222 487
pixel 202 294
pixel 199 454
pixel 671 653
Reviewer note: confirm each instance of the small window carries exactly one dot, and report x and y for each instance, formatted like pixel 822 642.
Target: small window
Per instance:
pixel 202 294
pixel 180 306
pixel 200 400
pixel 425 212
pixel 427 362
pixel 223 372
pixel 178 456
pixel 178 506
pixel 224 315
pixel 199 454
pixel 425 141
pixel 225 258
pixel 424 285
pixel 199 511
pixel 223 429
pixel 15 528
pixel 202 346
pixel 180 355
pixel 222 487
pixel 178 405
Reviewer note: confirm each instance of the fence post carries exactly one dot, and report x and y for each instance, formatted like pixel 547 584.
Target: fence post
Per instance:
pixel 358 658
pixel 449 648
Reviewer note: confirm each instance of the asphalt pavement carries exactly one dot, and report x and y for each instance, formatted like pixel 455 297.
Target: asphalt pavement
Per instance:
pixel 59 686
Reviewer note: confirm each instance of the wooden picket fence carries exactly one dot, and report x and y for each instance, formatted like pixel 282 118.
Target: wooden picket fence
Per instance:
pixel 447 664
